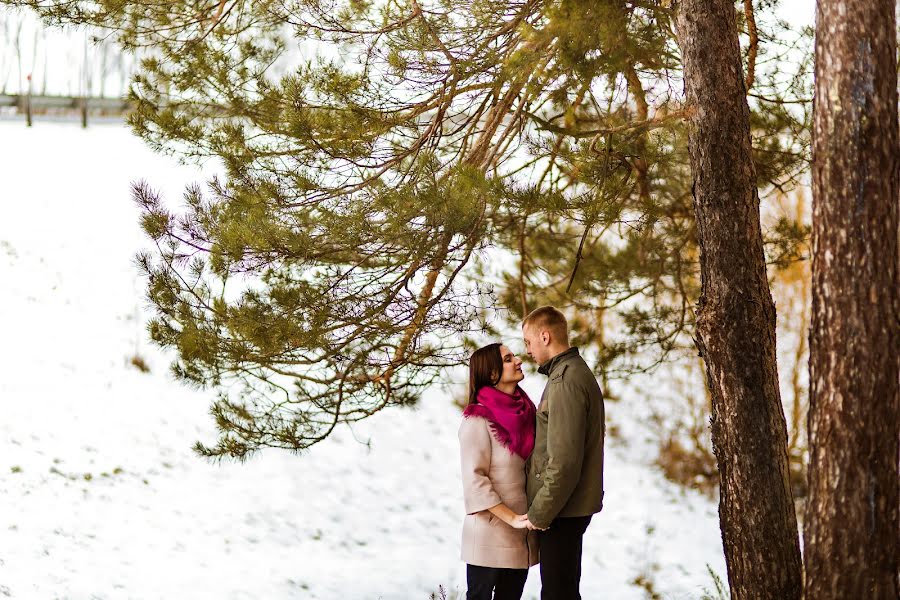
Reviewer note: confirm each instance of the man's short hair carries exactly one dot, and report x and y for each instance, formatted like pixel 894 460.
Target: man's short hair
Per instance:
pixel 547 317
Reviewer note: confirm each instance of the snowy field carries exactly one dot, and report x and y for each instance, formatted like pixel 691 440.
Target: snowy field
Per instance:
pixel 102 497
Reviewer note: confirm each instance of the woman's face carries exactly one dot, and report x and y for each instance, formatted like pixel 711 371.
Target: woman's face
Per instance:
pixel 512 367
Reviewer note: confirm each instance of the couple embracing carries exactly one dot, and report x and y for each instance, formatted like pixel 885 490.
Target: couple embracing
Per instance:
pixel 532 476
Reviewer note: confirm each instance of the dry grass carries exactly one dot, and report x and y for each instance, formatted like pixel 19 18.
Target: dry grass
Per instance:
pixel 137 361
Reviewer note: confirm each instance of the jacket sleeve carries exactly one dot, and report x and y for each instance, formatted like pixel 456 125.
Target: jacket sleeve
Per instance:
pixel 475 458
pixel 566 423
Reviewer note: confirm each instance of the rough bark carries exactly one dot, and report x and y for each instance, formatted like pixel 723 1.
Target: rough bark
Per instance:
pixel 736 316
pixel 852 533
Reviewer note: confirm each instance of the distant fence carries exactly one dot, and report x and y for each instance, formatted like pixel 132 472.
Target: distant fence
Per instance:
pixel 75 106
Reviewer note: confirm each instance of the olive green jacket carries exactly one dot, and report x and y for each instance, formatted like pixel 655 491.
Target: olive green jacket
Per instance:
pixel 565 471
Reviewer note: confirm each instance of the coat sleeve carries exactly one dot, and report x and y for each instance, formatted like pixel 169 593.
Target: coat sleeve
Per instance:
pixel 566 425
pixel 475 458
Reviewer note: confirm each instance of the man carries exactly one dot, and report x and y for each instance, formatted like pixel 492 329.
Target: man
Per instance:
pixel 565 471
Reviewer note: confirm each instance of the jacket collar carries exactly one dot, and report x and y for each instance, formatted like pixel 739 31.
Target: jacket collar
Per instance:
pixel 548 367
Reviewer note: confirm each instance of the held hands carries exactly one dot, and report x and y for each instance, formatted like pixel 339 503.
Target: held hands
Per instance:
pixel 522 522
pixel 516 521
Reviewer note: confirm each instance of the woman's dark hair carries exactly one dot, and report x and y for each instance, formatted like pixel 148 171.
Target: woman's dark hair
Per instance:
pixel 485 368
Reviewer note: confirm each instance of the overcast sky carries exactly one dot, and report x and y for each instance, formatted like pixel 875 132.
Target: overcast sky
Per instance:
pixel 800 12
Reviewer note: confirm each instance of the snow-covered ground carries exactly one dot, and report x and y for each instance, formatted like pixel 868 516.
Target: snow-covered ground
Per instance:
pixel 102 497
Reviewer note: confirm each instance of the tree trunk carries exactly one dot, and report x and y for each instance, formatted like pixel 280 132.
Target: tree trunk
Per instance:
pixel 852 534
pixel 736 315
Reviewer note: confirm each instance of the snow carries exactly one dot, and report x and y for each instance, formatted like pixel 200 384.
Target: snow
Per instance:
pixel 102 497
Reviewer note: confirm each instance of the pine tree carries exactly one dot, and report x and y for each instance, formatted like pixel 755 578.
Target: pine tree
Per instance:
pixel 332 270
pixel 735 322
pixel 852 533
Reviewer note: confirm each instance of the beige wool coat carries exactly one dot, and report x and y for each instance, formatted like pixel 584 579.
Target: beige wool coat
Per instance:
pixel 491 474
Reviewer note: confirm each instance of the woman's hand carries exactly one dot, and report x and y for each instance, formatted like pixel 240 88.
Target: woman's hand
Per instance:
pixel 508 516
pixel 519 522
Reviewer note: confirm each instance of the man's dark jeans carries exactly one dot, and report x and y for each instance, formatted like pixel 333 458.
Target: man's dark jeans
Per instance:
pixel 561 558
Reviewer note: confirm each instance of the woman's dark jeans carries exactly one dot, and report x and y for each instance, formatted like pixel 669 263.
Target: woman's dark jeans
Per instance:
pixel 487 583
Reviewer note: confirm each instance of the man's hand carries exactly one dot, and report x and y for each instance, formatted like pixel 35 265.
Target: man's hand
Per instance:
pixel 530 525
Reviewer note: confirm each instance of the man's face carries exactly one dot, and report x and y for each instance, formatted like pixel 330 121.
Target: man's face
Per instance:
pixel 534 344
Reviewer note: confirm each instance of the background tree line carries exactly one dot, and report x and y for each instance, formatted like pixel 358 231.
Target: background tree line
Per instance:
pixel 70 61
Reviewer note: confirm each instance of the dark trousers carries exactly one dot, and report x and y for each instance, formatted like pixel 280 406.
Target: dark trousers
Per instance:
pixel 561 558
pixel 485 583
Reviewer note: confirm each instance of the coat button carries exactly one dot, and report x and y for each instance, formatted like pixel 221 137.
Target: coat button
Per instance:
pixel 538 475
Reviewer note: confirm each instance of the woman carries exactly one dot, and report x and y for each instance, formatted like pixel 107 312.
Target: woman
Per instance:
pixel 496 437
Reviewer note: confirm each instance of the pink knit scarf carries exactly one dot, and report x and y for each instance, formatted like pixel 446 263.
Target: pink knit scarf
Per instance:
pixel 511 417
